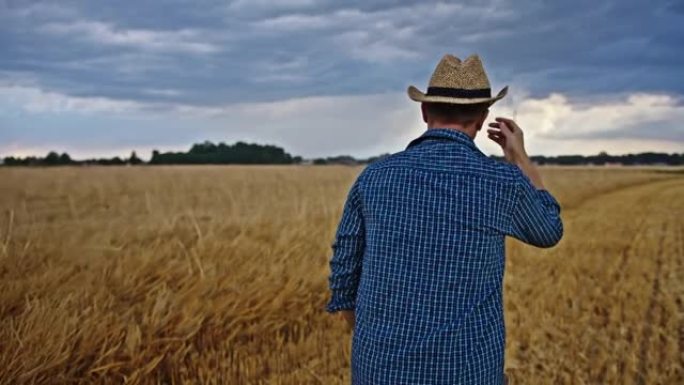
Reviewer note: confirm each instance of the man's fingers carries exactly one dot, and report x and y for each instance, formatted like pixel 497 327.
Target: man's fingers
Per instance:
pixel 496 135
pixel 505 128
pixel 510 122
pixel 502 125
pixel 497 138
pixel 502 119
pixel 497 142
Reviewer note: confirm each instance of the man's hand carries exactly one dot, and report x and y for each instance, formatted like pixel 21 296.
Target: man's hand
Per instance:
pixel 507 134
pixel 348 315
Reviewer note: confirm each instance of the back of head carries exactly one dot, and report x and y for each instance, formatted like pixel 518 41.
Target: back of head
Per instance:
pixel 461 114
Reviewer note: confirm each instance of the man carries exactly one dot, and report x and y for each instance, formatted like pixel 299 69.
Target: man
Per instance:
pixel 419 253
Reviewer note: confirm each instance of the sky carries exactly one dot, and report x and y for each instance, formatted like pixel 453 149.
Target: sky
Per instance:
pixel 324 78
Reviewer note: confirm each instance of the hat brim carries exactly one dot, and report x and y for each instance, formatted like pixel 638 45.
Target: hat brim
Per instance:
pixel 418 96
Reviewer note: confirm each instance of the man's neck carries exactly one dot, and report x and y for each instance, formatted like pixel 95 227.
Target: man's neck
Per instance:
pixel 470 131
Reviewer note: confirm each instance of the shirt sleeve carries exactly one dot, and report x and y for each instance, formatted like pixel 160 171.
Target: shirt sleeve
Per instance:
pixel 535 219
pixel 348 248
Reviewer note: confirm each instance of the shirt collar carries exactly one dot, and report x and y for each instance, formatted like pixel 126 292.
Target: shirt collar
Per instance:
pixel 444 134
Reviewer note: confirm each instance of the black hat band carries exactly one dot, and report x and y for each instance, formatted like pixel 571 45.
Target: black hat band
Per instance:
pixel 459 92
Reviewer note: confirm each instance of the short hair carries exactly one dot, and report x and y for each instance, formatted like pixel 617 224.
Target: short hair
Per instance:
pixel 460 113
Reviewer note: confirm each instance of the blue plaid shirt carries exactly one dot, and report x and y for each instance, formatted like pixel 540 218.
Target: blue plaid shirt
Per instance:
pixel 419 254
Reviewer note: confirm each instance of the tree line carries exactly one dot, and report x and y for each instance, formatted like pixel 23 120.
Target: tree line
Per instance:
pixel 200 153
pixel 603 159
pixel 252 153
pixel 55 159
pixel 221 153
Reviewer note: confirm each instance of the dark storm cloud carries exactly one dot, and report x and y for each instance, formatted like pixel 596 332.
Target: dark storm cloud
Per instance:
pixel 212 52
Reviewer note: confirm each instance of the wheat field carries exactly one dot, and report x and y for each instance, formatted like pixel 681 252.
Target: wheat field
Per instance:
pixel 218 275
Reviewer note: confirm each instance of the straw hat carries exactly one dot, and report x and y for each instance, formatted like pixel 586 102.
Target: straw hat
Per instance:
pixel 458 82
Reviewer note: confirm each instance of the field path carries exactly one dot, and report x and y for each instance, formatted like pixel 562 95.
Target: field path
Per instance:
pixel 618 270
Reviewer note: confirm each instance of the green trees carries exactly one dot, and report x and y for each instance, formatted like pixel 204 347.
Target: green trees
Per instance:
pixel 134 160
pixel 603 158
pixel 51 159
pixel 221 153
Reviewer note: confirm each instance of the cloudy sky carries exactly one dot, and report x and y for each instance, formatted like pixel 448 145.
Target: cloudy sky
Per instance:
pixel 320 78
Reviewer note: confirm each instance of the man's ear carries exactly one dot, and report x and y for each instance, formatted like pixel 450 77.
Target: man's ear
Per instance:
pixel 480 123
pixel 423 109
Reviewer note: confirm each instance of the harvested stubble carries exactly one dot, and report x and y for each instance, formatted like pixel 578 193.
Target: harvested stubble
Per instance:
pixel 219 275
